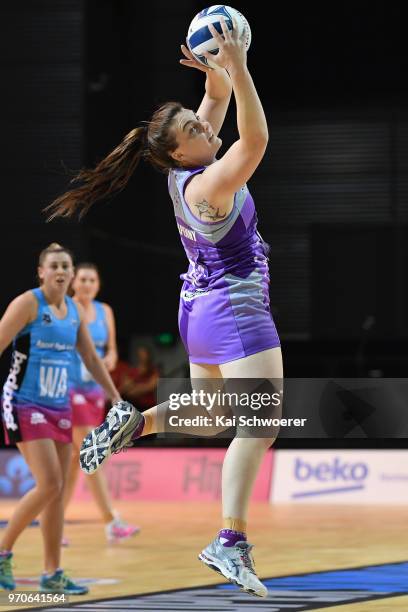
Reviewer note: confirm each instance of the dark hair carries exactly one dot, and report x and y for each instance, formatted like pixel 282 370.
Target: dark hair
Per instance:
pixel 54 247
pixel 154 142
pixel 87 265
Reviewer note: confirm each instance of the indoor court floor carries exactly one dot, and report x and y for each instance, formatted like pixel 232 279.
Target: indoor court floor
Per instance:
pixel 346 558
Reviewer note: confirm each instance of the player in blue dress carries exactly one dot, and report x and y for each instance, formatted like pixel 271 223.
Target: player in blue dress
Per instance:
pixel 224 315
pixel 88 398
pixel 46 327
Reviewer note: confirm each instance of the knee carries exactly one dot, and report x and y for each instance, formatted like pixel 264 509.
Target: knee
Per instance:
pixel 211 432
pixel 268 442
pixel 51 487
pixel 257 443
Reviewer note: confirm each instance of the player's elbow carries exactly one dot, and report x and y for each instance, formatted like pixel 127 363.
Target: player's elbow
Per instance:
pixel 263 137
pixel 258 142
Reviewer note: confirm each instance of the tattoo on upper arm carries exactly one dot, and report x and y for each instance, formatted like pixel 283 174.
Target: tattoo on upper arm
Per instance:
pixel 208 211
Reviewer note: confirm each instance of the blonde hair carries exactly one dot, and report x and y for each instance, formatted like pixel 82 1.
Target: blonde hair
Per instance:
pixel 54 247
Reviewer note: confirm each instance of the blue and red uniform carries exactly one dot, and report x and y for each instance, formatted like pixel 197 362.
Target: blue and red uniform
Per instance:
pixel 87 397
pixel 35 401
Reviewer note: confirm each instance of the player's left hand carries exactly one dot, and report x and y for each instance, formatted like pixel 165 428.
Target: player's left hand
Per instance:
pixel 110 361
pixel 191 62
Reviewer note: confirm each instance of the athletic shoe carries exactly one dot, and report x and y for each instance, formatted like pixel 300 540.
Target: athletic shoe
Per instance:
pixel 236 564
pixel 118 530
pixel 60 583
pixel 6 572
pixel 114 434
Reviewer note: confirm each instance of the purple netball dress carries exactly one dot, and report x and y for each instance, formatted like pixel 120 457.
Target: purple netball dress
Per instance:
pixel 224 309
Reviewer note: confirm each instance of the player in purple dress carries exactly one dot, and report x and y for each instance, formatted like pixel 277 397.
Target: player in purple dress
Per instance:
pixel 224 316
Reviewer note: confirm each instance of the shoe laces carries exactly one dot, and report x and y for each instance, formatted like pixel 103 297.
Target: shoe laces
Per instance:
pixel 123 448
pixel 7 566
pixel 66 580
pixel 245 556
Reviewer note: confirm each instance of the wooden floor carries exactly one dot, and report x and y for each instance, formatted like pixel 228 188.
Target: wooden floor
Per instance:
pixel 288 540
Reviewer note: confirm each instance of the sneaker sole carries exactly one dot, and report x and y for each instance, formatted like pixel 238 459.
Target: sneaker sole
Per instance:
pixel 213 564
pixel 101 449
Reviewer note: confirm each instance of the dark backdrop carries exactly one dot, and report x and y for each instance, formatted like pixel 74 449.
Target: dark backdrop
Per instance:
pixel 330 192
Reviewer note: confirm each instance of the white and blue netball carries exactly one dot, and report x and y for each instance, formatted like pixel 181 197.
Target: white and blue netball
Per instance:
pixel 199 37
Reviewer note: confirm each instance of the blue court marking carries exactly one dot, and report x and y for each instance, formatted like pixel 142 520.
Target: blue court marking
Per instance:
pixel 389 578
pixel 302 592
pixel 328 491
pixel 3 523
pixel 32 524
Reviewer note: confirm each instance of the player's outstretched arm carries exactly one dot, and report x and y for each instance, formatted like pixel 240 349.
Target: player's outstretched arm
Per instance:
pixel 218 89
pixel 223 178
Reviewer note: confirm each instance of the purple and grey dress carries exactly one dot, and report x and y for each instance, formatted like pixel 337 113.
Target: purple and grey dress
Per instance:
pixel 224 309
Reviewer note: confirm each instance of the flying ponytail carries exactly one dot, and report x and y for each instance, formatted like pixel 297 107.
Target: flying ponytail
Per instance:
pixel 154 142
pixel 109 177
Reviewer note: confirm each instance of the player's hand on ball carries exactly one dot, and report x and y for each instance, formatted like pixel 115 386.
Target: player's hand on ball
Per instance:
pixel 191 62
pixel 232 51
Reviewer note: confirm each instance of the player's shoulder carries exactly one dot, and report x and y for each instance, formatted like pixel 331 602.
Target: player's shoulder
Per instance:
pixel 25 300
pixel 80 310
pixel 106 308
pixel 25 305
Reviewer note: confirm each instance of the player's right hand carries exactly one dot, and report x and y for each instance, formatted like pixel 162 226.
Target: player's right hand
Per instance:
pixel 232 51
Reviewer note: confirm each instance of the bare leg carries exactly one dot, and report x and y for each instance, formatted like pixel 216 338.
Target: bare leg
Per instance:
pixel 42 460
pixel 96 482
pixel 73 471
pixel 240 468
pixel 52 517
pixel 156 417
pixel 244 455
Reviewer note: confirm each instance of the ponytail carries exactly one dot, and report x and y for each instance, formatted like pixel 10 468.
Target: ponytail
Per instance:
pixel 54 247
pixel 109 177
pixel 154 142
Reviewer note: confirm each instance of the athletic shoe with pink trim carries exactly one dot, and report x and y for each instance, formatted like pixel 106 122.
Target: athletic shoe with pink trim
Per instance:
pixel 118 530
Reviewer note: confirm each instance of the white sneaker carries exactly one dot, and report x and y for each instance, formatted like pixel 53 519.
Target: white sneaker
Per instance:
pixel 111 436
pixel 236 564
pixel 118 530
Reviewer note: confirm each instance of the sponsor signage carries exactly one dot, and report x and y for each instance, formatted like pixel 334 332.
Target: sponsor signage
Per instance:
pixel 172 475
pixel 340 477
pixel 15 475
pixel 146 474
